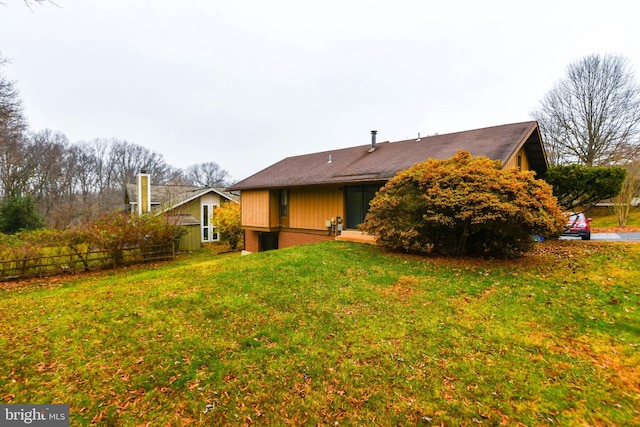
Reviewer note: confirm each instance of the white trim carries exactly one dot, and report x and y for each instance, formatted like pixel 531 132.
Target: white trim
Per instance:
pixel 199 194
pixel 207 230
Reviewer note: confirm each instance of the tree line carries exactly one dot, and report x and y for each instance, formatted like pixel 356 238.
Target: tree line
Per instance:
pixel 63 183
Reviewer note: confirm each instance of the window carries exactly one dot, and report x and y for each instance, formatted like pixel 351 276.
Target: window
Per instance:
pixel 519 162
pixel 357 198
pixel 209 233
pixel 284 202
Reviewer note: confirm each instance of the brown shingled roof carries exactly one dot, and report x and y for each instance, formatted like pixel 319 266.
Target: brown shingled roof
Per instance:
pixel 357 164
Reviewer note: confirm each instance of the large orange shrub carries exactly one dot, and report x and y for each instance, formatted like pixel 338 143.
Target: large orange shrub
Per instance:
pixel 463 206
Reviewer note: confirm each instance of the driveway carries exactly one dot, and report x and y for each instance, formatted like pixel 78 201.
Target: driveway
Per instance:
pixel 626 237
pixel 616 236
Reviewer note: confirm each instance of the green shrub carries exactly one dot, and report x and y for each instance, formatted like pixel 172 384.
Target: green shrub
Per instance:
pixel 463 206
pixel 580 187
pixel 19 213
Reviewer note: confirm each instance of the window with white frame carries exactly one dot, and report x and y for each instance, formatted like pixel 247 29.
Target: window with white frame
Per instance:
pixel 209 232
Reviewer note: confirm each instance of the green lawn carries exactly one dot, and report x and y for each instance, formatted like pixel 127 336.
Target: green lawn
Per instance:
pixel 603 218
pixel 335 333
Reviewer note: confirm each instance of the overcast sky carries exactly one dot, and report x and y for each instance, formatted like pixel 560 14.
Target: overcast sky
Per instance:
pixel 248 83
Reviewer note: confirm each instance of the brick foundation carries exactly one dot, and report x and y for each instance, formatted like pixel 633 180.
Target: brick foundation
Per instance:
pixel 251 241
pixel 285 239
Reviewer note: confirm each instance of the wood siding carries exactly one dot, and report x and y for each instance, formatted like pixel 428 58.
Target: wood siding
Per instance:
pixel 513 162
pixel 260 208
pixel 310 207
pixel 274 208
pixel 191 208
pixel 190 241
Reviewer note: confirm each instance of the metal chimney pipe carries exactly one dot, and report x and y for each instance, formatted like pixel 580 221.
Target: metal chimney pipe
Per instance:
pixel 373 140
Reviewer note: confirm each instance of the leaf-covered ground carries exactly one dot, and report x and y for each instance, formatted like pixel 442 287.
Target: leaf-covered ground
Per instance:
pixel 332 333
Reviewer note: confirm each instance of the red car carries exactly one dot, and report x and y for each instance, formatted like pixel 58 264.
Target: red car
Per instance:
pixel 577 225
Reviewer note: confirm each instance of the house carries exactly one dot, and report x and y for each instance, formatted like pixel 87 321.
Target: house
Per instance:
pixel 189 207
pixel 294 201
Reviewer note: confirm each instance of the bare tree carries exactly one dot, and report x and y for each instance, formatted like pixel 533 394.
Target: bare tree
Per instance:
pixel 591 113
pixel 129 159
pixel 208 174
pixel 93 172
pixel 12 130
pixel 623 204
pixel 97 188
pixel 52 168
pixel 30 3
pixel 176 176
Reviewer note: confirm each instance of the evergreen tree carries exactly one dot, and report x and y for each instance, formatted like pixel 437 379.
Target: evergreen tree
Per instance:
pixel 18 213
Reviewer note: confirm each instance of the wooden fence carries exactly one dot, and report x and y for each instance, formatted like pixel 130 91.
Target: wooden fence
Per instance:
pixel 44 266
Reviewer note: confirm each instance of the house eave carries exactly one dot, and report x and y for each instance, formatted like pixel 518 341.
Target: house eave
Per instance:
pixel 195 196
pixel 336 183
